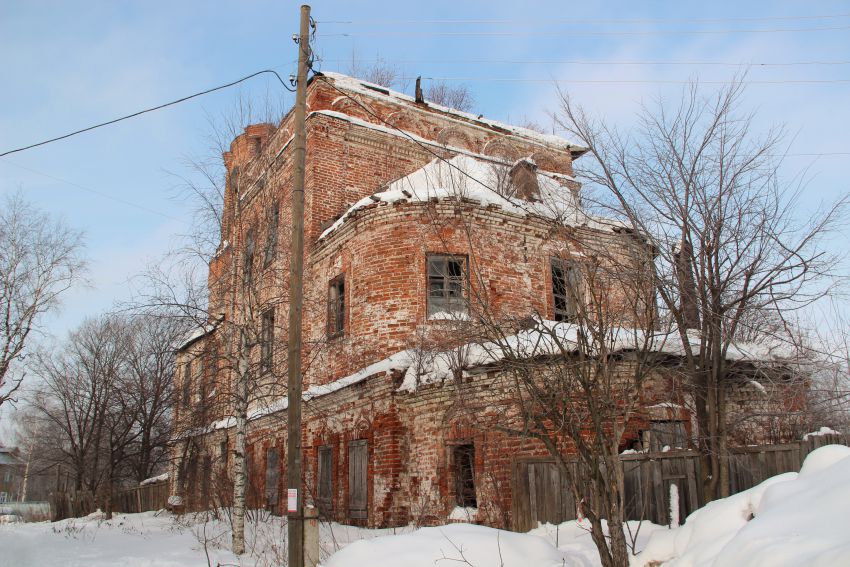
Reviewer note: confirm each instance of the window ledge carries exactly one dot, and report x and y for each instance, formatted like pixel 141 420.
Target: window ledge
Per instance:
pixel 449 316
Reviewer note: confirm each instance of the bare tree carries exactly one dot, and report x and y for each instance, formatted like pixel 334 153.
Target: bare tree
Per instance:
pixel 238 351
pixel 578 385
pixel 79 391
pixel 458 97
pixel 40 258
pixel 697 181
pixel 379 72
pixel 150 374
pixel 103 403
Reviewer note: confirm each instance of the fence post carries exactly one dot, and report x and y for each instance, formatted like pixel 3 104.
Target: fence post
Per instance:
pixel 311 536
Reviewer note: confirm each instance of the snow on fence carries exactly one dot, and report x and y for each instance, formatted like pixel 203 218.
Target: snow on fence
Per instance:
pixel 143 498
pixel 28 511
pixel 541 495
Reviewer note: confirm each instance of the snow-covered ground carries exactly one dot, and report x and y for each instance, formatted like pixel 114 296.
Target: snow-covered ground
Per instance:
pixel 791 519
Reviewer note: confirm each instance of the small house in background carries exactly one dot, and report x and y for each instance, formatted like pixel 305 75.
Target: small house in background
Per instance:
pixel 418 218
pixel 11 475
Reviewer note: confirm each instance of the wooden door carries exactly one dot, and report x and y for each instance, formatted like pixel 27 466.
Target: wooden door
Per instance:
pixel 357 468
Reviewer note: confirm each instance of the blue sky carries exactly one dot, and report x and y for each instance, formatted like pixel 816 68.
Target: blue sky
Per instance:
pixel 68 65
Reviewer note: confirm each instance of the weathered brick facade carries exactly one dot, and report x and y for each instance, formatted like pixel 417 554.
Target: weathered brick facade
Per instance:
pixel 381 253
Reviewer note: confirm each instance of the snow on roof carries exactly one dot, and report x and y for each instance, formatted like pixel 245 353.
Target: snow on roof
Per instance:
pixel 398 361
pixel 479 180
pixel 372 90
pixel 427 367
pixel 154 479
pixel 550 338
pixel 196 334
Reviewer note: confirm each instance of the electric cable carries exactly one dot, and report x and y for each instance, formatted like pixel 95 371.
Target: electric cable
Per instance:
pixel 158 107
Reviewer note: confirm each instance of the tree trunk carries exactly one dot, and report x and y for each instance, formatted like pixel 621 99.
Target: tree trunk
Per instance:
pixel 722 441
pixel 240 463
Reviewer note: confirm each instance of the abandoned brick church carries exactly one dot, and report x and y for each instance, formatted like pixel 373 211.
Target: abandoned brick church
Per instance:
pixel 404 200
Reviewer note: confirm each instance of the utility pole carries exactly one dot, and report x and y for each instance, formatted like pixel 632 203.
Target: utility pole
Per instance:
pixel 295 527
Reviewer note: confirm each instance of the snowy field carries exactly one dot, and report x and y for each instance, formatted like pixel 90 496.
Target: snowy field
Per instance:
pixel 791 519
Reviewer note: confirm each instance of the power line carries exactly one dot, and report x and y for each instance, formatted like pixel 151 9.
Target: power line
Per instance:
pixel 574 33
pixel 598 63
pixel 159 107
pixel 628 81
pixel 591 21
pixel 93 191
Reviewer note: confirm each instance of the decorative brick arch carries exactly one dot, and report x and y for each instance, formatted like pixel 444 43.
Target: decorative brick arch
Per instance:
pixel 350 107
pixel 454 136
pixel 501 148
pixel 398 118
pixel 546 161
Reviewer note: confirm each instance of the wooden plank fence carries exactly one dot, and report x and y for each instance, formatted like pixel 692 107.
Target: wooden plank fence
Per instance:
pixel 541 495
pixel 142 498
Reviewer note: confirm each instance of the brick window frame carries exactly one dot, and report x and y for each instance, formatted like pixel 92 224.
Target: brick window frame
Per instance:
pixel 463 474
pixel 272 225
pixel 446 284
pixel 186 385
pixel 272 478
pixel 565 274
pixel 248 259
pixel 266 340
pixel 337 307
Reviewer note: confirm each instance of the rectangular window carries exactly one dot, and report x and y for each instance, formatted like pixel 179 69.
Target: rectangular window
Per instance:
pixel 187 383
pixel 3 497
pixel 357 468
pixel 446 284
pixel 325 475
pixel 464 472
pixel 272 221
pixel 248 259
pixel 566 289
pixel 272 476
pixel 266 341
pixel 336 307
pixel 222 453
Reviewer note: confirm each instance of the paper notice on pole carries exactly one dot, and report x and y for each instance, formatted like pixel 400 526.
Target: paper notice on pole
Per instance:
pixel 292 500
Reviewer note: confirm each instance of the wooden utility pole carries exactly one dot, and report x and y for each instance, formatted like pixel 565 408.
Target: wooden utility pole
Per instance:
pixel 295 527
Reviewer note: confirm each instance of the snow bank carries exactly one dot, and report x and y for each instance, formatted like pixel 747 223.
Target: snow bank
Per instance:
pixel 790 519
pixel 453 544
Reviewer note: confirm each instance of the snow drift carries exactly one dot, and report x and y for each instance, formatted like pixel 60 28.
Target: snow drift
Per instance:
pixel 790 519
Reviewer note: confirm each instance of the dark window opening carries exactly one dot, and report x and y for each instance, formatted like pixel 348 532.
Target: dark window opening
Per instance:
pixel 665 434
pixel 464 469
pixel 565 290
pixel 266 341
pixel 325 475
pixel 222 453
pixel 273 218
pixel 446 283
pixel 336 307
pixel 248 259
pixel 357 468
pixel 187 383
pixel 272 476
